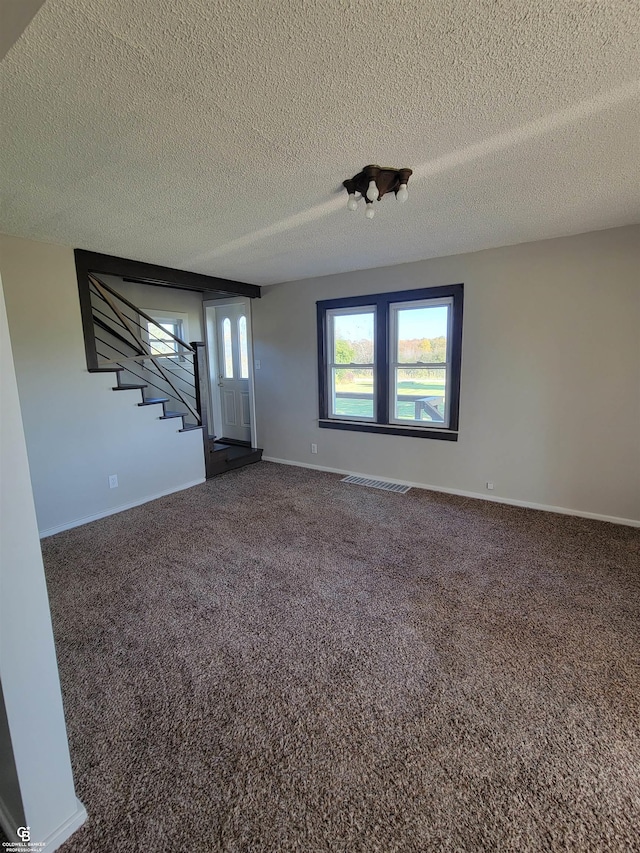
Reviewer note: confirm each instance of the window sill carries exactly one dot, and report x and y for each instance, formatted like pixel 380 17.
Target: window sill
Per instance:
pixel 389 429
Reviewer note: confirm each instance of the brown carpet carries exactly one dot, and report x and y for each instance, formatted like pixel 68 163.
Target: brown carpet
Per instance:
pixel 277 661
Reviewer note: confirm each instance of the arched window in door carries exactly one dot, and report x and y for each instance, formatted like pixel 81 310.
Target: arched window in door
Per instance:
pixel 244 351
pixel 228 350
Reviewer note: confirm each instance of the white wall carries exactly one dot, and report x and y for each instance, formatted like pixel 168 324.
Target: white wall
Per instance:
pixel 78 431
pixel 28 670
pixel 550 397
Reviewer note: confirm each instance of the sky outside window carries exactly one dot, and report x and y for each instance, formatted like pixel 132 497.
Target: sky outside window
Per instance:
pixel 354 327
pixel 422 322
pixel 412 323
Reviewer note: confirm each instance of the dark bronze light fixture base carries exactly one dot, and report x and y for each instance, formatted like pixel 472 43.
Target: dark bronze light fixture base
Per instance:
pixel 386 179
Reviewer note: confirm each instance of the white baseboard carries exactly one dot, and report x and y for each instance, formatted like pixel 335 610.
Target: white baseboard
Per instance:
pixel 65 830
pixel 629 522
pixel 113 510
pixel 9 824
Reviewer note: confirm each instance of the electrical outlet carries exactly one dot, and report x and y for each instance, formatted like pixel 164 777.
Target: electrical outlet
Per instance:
pixel 257 364
pixel 113 481
pixel 314 448
pixel 490 486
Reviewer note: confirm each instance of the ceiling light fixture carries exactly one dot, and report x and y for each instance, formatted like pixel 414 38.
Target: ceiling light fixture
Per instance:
pixel 373 182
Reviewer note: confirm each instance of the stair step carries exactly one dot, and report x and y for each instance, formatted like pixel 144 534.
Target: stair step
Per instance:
pixel 151 401
pixel 129 387
pixel 234 442
pixel 231 451
pixel 240 459
pixel 225 457
pixel 237 452
pixel 190 427
pixel 172 415
pixel 105 369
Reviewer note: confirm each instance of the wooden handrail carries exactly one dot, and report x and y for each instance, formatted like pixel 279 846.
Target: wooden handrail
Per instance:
pixel 95 280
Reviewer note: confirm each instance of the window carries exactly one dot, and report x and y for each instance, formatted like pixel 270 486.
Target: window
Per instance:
pixel 161 334
pixel 350 338
pixel 244 351
pixel 227 348
pixel 391 362
pixel 161 340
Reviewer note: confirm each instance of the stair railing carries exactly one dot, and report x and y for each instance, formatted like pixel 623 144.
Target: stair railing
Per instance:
pixel 126 333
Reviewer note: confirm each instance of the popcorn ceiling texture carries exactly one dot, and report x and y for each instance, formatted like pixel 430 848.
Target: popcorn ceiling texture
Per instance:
pixel 276 661
pixel 214 136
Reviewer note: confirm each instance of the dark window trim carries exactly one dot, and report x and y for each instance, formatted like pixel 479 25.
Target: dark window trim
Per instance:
pixel 139 271
pixel 389 429
pixel 382 301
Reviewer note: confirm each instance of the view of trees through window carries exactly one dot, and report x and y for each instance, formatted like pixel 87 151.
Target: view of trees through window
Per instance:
pixel 421 338
pixel 424 350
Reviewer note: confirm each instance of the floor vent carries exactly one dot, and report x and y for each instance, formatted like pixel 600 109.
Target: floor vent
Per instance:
pixel 377 484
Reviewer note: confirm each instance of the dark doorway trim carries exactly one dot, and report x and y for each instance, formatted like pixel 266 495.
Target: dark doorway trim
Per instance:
pixel 94 262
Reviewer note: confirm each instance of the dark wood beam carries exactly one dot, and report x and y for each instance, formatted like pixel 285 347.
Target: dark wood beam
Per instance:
pixel 163 276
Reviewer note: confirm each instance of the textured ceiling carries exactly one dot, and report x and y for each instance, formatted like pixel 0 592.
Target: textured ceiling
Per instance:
pixel 213 135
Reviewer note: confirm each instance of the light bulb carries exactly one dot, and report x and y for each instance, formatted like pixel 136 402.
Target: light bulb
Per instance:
pixel 372 191
pixel 370 211
pixel 352 204
pixel 403 194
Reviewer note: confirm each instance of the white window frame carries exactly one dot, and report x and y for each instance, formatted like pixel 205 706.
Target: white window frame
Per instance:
pixel 394 309
pixel 331 365
pixel 164 316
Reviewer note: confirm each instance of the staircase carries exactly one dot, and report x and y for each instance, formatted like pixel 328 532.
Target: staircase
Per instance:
pixel 155 401
pixel 165 370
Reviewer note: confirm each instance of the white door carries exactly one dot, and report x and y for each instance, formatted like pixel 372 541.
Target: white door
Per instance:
pixel 233 372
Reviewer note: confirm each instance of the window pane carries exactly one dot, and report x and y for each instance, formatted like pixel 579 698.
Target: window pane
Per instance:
pixel 160 340
pixel 353 338
pixel 422 334
pixel 244 353
pixel 420 394
pixel 352 392
pixel 228 352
